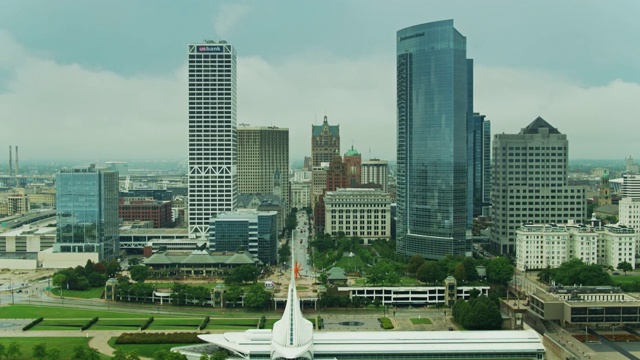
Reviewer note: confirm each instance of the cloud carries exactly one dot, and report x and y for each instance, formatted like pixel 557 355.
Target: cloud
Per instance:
pixel 599 121
pixel 227 16
pixel 67 111
pixel 358 95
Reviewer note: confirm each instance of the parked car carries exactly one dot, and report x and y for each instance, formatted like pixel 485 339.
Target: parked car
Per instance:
pixel 615 273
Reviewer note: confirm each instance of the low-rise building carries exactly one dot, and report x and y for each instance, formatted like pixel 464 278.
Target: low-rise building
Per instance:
pixel 197 262
pixel 301 194
pixel 585 305
pixel 365 213
pixel 145 209
pixel 246 230
pixel 549 245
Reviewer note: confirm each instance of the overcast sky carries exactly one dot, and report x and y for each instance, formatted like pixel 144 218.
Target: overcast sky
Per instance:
pixel 106 80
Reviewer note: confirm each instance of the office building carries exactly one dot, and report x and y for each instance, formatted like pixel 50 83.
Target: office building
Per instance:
pixel 318 182
pixel 375 171
pixel 336 178
pixel 325 143
pixel 480 164
pixel 87 212
pixel 301 194
pixel 539 246
pixel 261 203
pixel 212 172
pixel 529 183
pixel 246 230
pixel 432 103
pixel 263 161
pixel 353 162
pixel 365 213
pixel 146 209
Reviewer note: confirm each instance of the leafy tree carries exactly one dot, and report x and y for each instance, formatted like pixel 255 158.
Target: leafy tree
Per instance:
pixel 139 273
pixel 415 262
pixel 168 355
pixel 39 351
pixel 257 297
pixel 96 279
pixel 575 271
pixel 459 273
pixel 246 273
pixel 54 354
pixel 79 353
pixel 479 313
pixel 474 293
pixel 133 356
pixel 134 261
pixel 499 270
pixel 284 253
pixel 119 354
pixel 59 280
pixel 219 355
pixel 2 350
pixel 92 354
pixel 430 273
pixel 13 351
pixel 232 295
pixel 470 269
pixel 383 272
pixel 100 268
pixel 204 357
pixel 624 266
pixel 113 268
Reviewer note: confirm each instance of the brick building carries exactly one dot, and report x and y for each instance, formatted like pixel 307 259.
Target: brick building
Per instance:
pixel 146 209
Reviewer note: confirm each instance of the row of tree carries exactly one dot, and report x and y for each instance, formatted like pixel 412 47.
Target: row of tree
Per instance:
pixel 479 313
pixel 41 352
pixel 575 271
pixel 82 278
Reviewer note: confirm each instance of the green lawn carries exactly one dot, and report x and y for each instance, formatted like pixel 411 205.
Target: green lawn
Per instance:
pixel 64 344
pixel 51 312
pixel 232 324
pixel 93 293
pixel 144 350
pixel 421 321
pixel 118 324
pixel 625 279
pixel 60 324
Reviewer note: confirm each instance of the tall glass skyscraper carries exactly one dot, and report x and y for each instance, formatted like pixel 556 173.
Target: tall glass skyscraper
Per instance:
pixel 433 103
pixel 87 212
pixel 213 185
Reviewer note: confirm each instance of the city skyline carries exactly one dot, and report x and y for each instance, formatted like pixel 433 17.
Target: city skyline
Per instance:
pixel 113 82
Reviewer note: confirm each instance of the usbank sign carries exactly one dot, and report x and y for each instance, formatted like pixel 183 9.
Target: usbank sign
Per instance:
pixel 210 49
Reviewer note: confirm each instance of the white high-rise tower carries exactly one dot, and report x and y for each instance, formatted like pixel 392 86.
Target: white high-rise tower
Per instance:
pixel 212 133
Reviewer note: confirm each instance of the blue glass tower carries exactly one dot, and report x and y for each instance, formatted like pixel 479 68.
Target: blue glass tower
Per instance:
pixel 87 212
pixel 432 105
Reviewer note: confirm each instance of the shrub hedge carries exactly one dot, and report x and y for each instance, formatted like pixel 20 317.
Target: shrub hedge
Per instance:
pixel 204 323
pixel 146 324
pixel 159 338
pixel 32 324
pixel 89 323
pixel 263 320
pixel 385 323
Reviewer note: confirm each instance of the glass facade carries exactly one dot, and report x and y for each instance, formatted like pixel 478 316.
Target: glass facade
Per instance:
pixel 432 105
pixel 87 211
pixel 255 232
